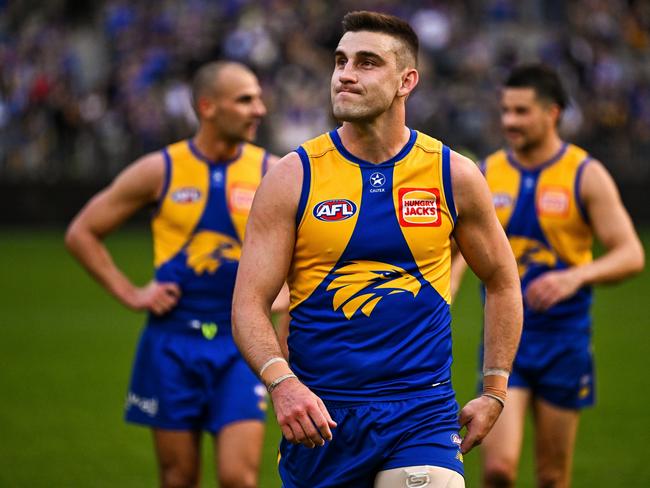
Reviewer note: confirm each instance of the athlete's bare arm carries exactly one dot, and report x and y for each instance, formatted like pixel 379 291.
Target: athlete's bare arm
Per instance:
pixel 484 246
pixel 266 257
pixel 138 185
pixel 458 268
pixel 612 226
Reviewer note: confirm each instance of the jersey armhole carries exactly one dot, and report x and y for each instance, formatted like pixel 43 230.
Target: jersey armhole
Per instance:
pixel 265 163
pixel 167 179
pixel 482 166
pixel 576 189
pixel 446 182
pixel 306 185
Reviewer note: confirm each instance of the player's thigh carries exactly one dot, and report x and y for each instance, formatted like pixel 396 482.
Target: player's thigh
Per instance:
pixel 238 450
pixel 501 448
pixel 555 435
pixel 419 476
pixel 178 454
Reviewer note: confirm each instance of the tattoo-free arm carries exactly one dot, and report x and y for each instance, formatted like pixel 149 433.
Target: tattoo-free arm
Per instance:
pixel 484 246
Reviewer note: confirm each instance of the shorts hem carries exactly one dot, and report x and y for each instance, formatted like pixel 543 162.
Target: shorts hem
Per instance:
pixel 162 425
pixel 428 462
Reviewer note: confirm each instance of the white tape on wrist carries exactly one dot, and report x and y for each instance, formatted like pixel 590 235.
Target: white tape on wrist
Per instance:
pixel 270 362
pixel 496 372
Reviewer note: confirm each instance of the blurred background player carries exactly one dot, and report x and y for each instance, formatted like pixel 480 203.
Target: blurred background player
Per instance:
pixel 188 376
pixel 360 219
pixel 551 197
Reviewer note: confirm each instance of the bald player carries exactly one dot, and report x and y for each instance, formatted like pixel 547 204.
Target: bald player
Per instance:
pixel 188 376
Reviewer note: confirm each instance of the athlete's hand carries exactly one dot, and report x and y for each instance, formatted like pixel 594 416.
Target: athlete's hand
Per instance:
pixel 478 416
pixel 302 416
pixel 158 298
pixel 550 288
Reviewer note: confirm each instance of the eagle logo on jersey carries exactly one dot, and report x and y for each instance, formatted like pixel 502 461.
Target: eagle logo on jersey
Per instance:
pixel 530 252
pixel 207 250
pixel 363 284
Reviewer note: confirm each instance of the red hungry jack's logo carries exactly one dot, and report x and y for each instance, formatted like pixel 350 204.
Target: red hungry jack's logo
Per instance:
pixel 419 207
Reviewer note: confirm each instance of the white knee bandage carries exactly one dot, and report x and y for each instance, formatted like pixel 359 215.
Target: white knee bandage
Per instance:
pixel 419 477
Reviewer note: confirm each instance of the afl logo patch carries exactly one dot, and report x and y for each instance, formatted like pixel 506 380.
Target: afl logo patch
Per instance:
pixel 419 207
pixel 501 200
pixel 334 210
pixel 186 195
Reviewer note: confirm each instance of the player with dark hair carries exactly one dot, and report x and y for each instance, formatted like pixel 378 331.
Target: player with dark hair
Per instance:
pixel 551 198
pixel 360 220
pixel 188 375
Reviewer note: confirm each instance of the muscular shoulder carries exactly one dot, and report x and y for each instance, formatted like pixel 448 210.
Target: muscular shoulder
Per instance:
pixel 468 184
pixel 597 183
pixel 143 179
pixel 282 184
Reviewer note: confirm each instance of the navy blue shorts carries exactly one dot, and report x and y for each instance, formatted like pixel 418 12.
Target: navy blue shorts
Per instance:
pixel 556 367
pixel 373 437
pixel 182 380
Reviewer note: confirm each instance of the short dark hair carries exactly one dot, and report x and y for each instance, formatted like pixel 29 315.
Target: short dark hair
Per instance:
pixel 364 20
pixel 541 78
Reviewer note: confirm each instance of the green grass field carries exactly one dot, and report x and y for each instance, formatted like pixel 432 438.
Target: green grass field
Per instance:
pixel 65 357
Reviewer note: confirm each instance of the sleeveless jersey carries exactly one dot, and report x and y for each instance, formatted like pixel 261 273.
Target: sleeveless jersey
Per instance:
pixel 198 230
pixel 546 224
pixel 369 279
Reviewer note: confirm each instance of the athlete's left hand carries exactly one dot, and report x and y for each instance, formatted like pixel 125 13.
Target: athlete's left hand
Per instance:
pixel 550 288
pixel 478 416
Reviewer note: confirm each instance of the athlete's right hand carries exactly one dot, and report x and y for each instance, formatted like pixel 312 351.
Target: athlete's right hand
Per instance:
pixel 158 298
pixel 302 416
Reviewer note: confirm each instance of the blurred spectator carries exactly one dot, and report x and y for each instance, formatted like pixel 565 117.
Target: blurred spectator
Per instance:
pixel 87 86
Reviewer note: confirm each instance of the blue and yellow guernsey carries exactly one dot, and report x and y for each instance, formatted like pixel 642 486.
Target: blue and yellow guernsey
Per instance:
pixel 543 216
pixel 369 280
pixel 198 230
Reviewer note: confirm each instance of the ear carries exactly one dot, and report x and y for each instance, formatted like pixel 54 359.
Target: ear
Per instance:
pixel 205 107
pixel 554 112
pixel 410 78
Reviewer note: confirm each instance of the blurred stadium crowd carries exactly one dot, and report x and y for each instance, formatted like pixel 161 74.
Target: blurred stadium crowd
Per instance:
pixel 85 87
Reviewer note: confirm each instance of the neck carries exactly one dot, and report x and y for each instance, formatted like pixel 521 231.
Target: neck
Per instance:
pixel 214 147
pixel 376 141
pixel 539 154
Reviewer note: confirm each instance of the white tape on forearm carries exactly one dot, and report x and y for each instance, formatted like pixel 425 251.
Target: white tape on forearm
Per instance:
pixel 496 372
pixel 270 362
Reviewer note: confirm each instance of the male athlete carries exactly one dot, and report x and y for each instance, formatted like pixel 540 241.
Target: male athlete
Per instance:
pixel 360 220
pixel 188 375
pixel 551 197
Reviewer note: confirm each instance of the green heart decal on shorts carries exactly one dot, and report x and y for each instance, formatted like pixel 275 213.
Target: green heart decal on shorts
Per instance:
pixel 209 330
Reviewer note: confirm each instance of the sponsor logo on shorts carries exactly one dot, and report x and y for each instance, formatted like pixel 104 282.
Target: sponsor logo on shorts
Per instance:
pixel 419 207
pixel 188 194
pixel 146 405
pixel 553 201
pixel 455 438
pixel 262 401
pixel 334 210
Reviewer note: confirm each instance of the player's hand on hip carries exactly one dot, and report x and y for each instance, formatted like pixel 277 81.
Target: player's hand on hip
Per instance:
pixel 302 416
pixel 478 416
pixel 158 298
pixel 550 288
